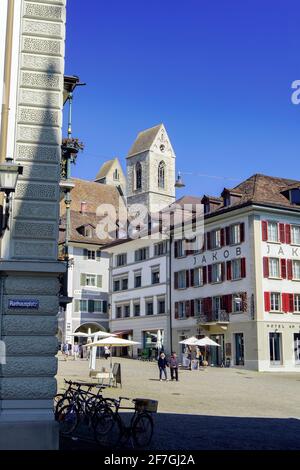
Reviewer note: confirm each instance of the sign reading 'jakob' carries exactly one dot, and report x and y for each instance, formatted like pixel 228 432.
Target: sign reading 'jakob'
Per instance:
pixel 25 304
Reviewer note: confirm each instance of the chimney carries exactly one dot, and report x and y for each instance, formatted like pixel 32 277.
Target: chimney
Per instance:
pixel 83 207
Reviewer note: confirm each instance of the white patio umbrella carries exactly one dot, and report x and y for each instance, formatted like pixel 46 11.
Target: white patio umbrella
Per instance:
pixel 112 341
pixel 100 333
pixel 192 341
pixel 159 340
pixel 206 341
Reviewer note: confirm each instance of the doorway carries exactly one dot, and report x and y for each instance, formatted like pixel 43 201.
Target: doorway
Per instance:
pixel 217 355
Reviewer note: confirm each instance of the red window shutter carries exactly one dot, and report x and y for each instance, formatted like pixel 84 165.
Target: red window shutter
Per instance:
pixel 266 266
pixel 291 303
pixel 222 237
pixel 285 302
pixel 264 227
pixel 282 233
pixel 227 231
pixel 176 309
pixel 187 308
pixel 242 232
pixel 244 301
pixel 187 278
pixel 192 277
pixel 267 301
pixel 204 274
pixel 228 269
pixel 175 280
pixel 223 271
pixel 208 244
pixel 209 268
pixel 288 237
pixel 229 303
pixel 290 269
pixel 243 267
pixel 283 268
pixel 192 308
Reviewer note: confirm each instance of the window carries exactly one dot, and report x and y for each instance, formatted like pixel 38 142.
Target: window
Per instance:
pixel 121 259
pixel 161 306
pixel 116 175
pixel 198 307
pixel 295 196
pixel 141 254
pixel 136 310
pixel 179 249
pixel 118 312
pixel 275 348
pixel 138 176
pixel 296 270
pixel 198 277
pixel 296 234
pixel 236 269
pixel 126 311
pixel 237 303
pixel 116 285
pixel 273 232
pixel 91 254
pixel 297 347
pixel 181 309
pixel 274 269
pixel 137 280
pixel 83 306
pixel 88 232
pixel 297 303
pixel 275 302
pixel 149 308
pixel 155 276
pixel 235 234
pixel 90 280
pixel 216 302
pixel 161 175
pixel 215 239
pixel 216 272
pixel 160 248
pixel 124 284
pixel 181 280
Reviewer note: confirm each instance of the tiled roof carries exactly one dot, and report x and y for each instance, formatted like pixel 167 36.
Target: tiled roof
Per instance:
pixel 93 194
pixel 144 140
pixel 79 220
pixel 102 173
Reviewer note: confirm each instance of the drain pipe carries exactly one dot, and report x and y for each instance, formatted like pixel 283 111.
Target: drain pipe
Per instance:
pixel 6 79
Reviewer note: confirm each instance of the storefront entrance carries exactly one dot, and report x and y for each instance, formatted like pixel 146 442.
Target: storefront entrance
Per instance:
pixel 217 355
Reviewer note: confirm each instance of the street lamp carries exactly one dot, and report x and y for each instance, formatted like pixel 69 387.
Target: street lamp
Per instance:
pixel 9 173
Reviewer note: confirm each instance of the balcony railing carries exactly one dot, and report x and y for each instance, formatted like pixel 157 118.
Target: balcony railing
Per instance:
pixel 219 316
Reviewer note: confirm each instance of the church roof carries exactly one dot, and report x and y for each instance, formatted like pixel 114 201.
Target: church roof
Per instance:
pixel 144 140
pixel 105 168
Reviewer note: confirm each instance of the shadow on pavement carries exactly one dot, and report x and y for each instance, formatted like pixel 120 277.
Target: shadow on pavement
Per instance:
pixel 196 432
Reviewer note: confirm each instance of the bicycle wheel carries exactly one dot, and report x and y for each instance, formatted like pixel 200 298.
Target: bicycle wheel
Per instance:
pixel 60 401
pixel 142 429
pixel 107 427
pixel 68 419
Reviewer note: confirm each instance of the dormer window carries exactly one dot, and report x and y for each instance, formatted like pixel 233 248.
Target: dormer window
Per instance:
pixel 295 196
pixel 88 232
pixel 227 201
pixel 206 208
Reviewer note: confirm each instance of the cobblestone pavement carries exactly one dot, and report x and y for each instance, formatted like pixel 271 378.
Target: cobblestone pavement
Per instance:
pixel 212 409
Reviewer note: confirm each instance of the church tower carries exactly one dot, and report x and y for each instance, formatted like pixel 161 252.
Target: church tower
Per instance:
pixel 151 170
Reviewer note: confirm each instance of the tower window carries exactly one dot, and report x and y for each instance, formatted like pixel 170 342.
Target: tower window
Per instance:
pixel 161 175
pixel 138 176
pixel 116 175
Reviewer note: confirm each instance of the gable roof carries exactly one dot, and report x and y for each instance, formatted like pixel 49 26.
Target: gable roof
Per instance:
pixel 144 140
pixel 105 168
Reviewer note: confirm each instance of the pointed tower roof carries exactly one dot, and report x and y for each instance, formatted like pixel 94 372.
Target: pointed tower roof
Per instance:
pixel 145 140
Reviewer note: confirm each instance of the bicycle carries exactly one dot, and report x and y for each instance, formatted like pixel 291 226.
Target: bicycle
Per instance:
pixel 110 430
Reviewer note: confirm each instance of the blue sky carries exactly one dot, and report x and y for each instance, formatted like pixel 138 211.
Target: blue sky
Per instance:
pixel 217 73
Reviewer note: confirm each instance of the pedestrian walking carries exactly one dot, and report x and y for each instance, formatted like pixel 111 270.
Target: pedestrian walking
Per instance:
pixel 162 365
pixel 106 352
pixel 76 351
pixel 174 366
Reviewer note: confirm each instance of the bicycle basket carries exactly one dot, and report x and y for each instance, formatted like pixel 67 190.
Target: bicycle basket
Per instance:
pixel 145 404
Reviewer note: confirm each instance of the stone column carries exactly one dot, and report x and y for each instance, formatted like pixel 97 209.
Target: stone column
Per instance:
pixel 29 268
